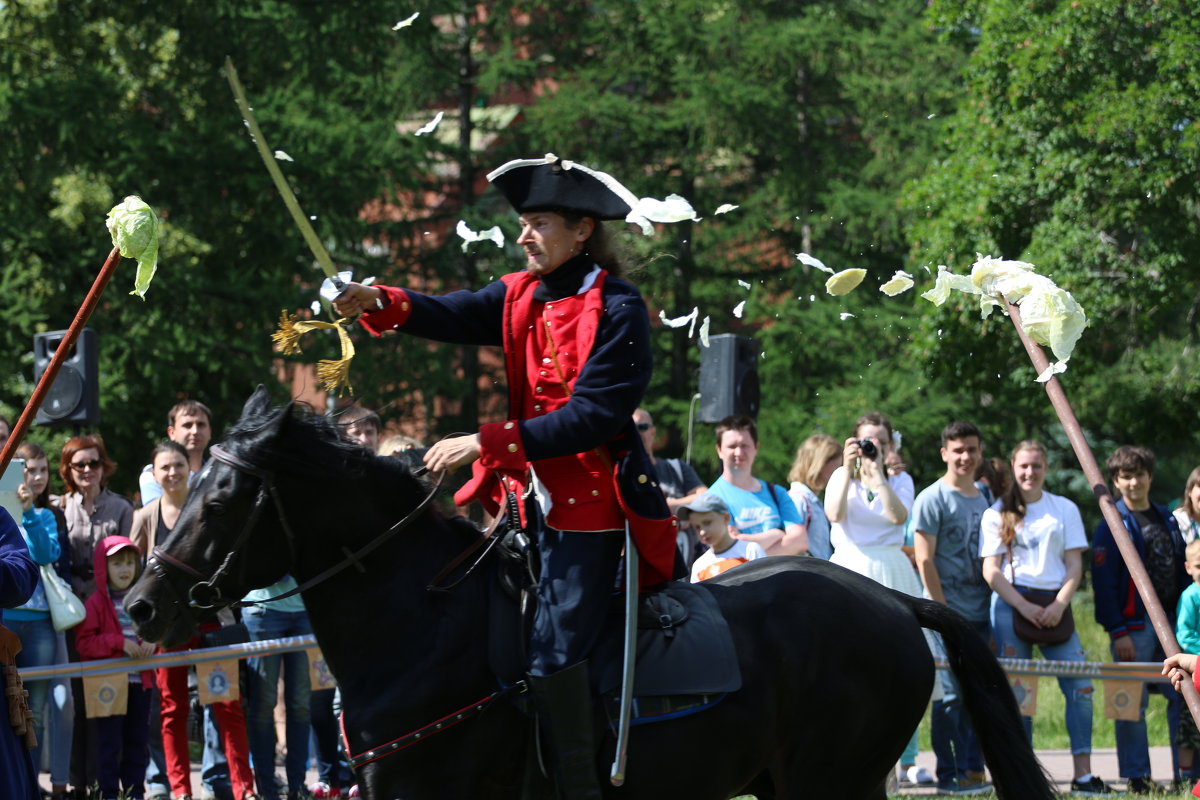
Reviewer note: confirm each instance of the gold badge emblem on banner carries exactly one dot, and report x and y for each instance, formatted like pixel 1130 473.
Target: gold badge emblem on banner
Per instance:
pixel 1025 690
pixel 319 675
pixel 106 695
pixel 217 681
pixel 1123 700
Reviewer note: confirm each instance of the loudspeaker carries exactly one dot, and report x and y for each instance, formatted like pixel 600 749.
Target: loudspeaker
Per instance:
pixel 74 397
pixel 728 377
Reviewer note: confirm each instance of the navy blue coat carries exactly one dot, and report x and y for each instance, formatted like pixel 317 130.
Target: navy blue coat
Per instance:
pixel 608 389
pixel 18 577
pixel 1119 608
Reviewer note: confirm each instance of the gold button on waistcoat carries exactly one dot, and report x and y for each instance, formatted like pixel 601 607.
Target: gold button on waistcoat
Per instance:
pixel 512 448
pixel 508 426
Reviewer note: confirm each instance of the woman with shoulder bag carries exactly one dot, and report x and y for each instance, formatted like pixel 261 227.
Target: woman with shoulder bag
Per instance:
pixel 31 621
pixel 1032 547
pixel 60 704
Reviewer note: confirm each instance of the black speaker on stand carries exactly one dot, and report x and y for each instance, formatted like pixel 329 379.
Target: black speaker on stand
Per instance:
pixel 728 377
pixel 74 397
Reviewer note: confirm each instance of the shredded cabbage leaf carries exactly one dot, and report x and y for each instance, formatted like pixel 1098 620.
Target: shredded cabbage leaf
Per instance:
pixel 900 282
pixel 845 281
pixel 134 228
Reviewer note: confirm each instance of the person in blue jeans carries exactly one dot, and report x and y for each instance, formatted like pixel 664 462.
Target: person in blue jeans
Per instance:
pixel 31 620
pixel 59 712
pixel 277 620
pixel 946 519
pixel 1034 540
pixel 1119 609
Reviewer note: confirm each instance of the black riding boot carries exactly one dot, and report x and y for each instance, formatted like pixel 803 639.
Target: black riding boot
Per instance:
pixel 564 711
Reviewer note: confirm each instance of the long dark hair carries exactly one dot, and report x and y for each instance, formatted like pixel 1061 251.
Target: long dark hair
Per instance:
pixel 1012 502
pixel 599 246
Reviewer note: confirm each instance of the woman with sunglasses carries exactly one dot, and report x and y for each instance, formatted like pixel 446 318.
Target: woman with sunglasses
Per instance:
pixel 93 512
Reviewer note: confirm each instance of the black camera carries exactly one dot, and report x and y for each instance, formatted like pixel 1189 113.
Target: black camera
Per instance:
pixel 868 448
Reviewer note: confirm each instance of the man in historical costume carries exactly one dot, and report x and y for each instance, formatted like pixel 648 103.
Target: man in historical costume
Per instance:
pixel 576 343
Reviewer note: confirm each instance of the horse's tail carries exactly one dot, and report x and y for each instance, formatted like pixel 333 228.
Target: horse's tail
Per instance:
pixel 989 701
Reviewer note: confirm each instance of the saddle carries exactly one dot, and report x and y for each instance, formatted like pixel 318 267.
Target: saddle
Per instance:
pixel 19 714
pixel 686 661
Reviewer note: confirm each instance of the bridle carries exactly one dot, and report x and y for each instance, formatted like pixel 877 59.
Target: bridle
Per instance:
pixel 205 594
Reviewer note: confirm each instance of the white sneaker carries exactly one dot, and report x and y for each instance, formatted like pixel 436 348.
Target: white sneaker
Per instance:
pixel 919 775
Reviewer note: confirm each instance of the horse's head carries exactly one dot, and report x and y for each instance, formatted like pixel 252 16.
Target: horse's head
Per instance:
pixel 230 536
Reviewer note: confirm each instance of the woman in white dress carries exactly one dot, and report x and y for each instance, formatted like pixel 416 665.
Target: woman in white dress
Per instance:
pixel 867 509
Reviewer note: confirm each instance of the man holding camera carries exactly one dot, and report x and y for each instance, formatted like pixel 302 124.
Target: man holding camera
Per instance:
pixel 762 512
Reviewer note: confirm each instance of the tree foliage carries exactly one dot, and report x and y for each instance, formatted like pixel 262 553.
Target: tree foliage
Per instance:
pixel 1075 147
pixel 870 134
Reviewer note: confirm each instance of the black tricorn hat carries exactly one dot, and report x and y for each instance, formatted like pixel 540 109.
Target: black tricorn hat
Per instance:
pixel 555 184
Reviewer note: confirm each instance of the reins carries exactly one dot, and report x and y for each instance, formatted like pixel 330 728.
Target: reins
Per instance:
pixel 208 586
pixel 267 488
pixel 425 731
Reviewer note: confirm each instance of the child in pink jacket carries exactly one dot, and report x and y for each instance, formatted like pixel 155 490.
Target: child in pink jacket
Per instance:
pixel 107 632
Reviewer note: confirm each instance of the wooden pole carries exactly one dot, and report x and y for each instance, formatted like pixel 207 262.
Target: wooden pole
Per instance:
pixel 1164 627
pixel 60 355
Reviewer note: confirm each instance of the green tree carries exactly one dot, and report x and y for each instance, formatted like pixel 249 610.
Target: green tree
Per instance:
pixel 809 117
pixel 101 100
pixel 1076 148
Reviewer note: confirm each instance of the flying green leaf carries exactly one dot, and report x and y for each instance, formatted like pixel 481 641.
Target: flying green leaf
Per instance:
pixel 134 227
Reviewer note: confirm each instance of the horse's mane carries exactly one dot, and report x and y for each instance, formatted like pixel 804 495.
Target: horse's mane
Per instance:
pixel 313 445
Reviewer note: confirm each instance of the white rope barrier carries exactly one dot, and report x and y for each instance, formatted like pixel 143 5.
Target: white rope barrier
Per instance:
pixel 1145 671
pixel 1148 671
pixel 182 658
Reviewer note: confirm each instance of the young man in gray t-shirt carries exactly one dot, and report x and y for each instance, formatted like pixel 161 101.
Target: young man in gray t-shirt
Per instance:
pixel 946 517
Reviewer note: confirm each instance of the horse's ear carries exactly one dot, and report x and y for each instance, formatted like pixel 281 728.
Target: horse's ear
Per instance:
pixel 258 404
pixel 282 418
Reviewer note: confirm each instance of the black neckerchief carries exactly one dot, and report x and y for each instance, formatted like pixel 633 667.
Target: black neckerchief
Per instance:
pixel 565 280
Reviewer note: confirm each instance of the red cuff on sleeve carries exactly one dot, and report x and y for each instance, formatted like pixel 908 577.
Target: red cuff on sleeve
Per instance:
pixel 501 447
pixel 391 316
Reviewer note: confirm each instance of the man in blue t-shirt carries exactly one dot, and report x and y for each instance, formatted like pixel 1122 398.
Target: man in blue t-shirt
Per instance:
pixel 946 519
pixel 761 511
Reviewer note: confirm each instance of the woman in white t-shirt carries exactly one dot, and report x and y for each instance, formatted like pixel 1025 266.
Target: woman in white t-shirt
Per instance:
pixel 1034 540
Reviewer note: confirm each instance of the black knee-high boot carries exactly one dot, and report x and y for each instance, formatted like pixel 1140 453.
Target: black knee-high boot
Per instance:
pixel 564 710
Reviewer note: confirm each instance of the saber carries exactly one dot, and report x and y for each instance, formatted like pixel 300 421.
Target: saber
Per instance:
pixel 617 775
pixel 285 190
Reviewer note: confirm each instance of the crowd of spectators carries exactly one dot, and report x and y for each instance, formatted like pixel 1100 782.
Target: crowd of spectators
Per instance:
pixel 97 542
pixel 986 538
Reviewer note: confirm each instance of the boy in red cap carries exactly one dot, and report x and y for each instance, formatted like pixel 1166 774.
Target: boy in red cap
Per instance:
pixel 107 632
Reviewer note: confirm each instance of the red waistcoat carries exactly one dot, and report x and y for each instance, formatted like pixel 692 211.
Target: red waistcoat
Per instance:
pixel 545 347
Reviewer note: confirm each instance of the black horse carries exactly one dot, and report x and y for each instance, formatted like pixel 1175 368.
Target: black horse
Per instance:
pixel 836 671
